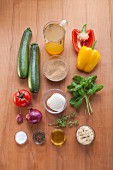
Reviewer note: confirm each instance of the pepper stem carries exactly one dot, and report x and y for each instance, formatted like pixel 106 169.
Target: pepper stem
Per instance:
pixel 84 28
pixel 93 46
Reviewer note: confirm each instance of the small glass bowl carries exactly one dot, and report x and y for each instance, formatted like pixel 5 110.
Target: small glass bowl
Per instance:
pixel 48 94
pixel 57 58
pixel 37 136
pixel 21 137
pixel 58 137
pixel 91 140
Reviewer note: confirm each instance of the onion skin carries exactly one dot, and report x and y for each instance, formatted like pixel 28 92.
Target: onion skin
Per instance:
pixel 19 118
pixel 33 116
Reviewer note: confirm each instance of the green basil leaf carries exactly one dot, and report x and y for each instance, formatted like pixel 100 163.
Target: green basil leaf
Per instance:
pixel 92 78
pixel 77 79
pixel 76 94
pixel 75 88
pixel 90 92
pixel 72 87
pixel 72 100
pixel 78 103
pixel 88 85
pixel 74 84
pixel 95 89
pixel 69 87
pixel 81 92
pixel 99 87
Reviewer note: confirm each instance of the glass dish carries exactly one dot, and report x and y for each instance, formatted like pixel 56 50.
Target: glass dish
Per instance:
pixel 93 133
pixel 47 70
pixel 54 36
pixel 39 137
pixel 48 94
pixel 21 137
pixel 58 137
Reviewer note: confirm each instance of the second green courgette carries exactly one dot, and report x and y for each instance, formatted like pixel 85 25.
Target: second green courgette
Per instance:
pixel 34 70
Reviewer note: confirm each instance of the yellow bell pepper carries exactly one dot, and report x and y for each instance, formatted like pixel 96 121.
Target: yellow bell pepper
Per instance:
pixel 87 58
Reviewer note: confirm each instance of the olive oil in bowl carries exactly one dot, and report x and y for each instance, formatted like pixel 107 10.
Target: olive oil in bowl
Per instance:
pixel 58 137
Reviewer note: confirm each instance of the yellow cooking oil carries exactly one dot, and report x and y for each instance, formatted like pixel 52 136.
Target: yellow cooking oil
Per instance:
pixel 54 48
pixel 58 137
pixel 54 34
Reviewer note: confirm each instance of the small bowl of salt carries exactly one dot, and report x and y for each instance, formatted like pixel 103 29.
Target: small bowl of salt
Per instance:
pixel 55 69
pixel 55 101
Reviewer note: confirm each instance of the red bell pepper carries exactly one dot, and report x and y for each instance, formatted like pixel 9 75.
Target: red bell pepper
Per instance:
pixel 82 38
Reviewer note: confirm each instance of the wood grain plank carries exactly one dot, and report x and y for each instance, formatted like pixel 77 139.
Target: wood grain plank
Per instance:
pixel 15 17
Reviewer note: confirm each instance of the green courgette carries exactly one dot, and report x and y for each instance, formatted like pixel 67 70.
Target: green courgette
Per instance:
pixel 23 54
pixel 34 70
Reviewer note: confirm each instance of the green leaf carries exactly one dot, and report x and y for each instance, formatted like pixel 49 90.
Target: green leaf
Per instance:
pixel 75 88
pixel 88 85
pixel 81 92
pixel 72 101
pixel 76 94
pixel 78 103
pixel 77 79
pixel 83 88
pixel 74 84
pixel 95 89
pixel 90 92
pixel 69 87
pixel 99 87
pixel 92 78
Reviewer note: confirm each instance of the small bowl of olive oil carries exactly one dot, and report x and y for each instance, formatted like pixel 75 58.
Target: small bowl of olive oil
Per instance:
pixel 58 137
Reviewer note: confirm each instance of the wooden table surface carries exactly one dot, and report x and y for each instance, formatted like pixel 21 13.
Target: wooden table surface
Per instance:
pixel 15 17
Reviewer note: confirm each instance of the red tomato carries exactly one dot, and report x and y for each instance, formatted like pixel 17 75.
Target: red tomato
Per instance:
pixel 22 98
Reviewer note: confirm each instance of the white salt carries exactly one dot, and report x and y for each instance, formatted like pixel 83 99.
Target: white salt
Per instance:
pixel 20 137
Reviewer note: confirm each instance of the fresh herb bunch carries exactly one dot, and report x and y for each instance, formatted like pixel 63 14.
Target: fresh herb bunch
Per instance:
pixel 65 121
pixel 83 88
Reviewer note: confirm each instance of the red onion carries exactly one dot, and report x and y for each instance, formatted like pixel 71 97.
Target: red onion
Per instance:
pixel 33 116
pixel 19 118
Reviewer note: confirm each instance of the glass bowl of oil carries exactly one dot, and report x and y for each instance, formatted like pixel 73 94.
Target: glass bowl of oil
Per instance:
pixel 58 137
